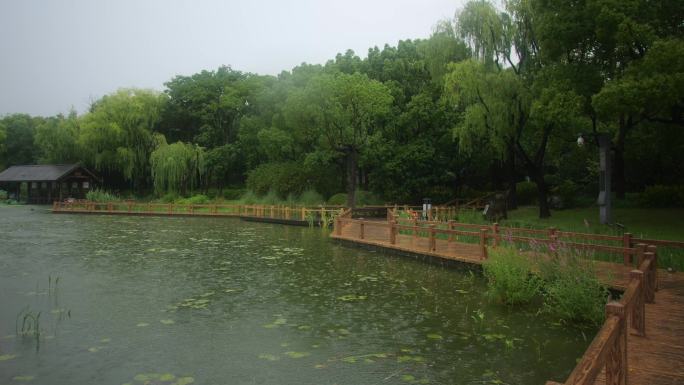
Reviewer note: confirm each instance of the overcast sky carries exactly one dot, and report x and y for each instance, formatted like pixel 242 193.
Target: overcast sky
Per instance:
pixel 59 54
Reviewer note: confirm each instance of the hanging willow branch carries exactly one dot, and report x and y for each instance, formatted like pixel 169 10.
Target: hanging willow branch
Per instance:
pixel 177 167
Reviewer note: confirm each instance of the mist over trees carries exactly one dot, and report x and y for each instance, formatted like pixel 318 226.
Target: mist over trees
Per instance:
pixel 493 100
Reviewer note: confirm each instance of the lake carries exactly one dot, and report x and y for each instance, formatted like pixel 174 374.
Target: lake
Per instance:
pixel 145 300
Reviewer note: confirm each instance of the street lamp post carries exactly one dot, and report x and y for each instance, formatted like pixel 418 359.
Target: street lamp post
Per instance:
pixel 604 198
pixel 605 169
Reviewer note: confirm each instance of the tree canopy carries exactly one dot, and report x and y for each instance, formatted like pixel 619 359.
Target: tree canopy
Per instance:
pixel 494 99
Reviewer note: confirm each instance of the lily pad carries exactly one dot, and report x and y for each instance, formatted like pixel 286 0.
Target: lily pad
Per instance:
pixel 144 377
pixel 297 354
pixel 269 357
pixel 6 357
pixel 142 324
pixel 94 349
pixel 434 336
pixel 167 321
pixel 23 378
pixel 184 381
pixel 352 297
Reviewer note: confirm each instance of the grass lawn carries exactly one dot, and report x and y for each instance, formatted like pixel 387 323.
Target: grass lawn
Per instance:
pixel 647 223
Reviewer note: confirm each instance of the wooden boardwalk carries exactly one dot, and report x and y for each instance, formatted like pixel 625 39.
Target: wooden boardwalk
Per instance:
pixel 657 358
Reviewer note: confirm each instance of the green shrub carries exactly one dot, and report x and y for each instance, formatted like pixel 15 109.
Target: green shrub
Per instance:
pixel 568 191
pixel 3 195
pixel 271 198
pixel 662 196
pixel 233 193
pixel 363 198
pixel 198 199
pixel 510 276
pixel 526 192
pixel 283 178
pixel 311 197
pixel 339 199
pixel 170 197
pixel 249 198
pixel 97 195
pixel 572 291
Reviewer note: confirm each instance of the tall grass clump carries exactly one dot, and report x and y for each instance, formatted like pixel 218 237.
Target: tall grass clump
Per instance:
pixel 510 277
pixel 471 216
pixel 98 195
pixel 572 290
pixel 3 195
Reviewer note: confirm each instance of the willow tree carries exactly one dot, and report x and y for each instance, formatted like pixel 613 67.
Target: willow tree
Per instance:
pixel 177 167
pixel 509 93
pixel 117 134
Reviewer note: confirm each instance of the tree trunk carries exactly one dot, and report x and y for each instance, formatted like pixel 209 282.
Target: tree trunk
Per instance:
pixel 619 160
pixel 544 209
pixel 512 199
pixel 351 178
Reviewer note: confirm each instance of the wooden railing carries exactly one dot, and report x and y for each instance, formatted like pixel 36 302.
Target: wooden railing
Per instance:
pixel 621 245
pixel 298 213
pixel 608 350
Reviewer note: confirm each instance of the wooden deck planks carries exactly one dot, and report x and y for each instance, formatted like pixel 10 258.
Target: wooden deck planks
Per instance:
pixel 655 359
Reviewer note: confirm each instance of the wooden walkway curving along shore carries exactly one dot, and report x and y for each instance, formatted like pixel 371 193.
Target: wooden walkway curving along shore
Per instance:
pixel 290 215
pixel 642 339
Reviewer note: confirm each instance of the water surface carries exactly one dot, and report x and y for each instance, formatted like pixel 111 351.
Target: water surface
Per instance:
pixel 219 301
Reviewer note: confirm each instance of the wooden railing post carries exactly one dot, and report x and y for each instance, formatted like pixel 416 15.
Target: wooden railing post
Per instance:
pixel 640 250
pixel 552 232
pixel 495 231
pixel 638 313
pixel 109 207
pixel 303 213
pixel 483 244
pixel 415 229
pixel 361 229
pixel 627 243
pixel 450 226
pixel 338 226
pixel 393 232
pixel 654 265
pixel 432 244
pixel 649 278
pixel 616 361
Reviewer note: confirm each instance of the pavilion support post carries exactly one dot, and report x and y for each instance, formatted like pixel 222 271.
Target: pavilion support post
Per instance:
pixel 361 229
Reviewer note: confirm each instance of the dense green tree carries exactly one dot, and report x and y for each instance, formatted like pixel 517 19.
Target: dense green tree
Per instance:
pixel 56 139
pixel 18 144
pixel 345 110
pixel 205 107
pixel 117 135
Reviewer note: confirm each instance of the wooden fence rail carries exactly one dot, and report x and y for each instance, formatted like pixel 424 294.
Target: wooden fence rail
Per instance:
pixel 294 213
pixel 608 350
pixel 623 244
